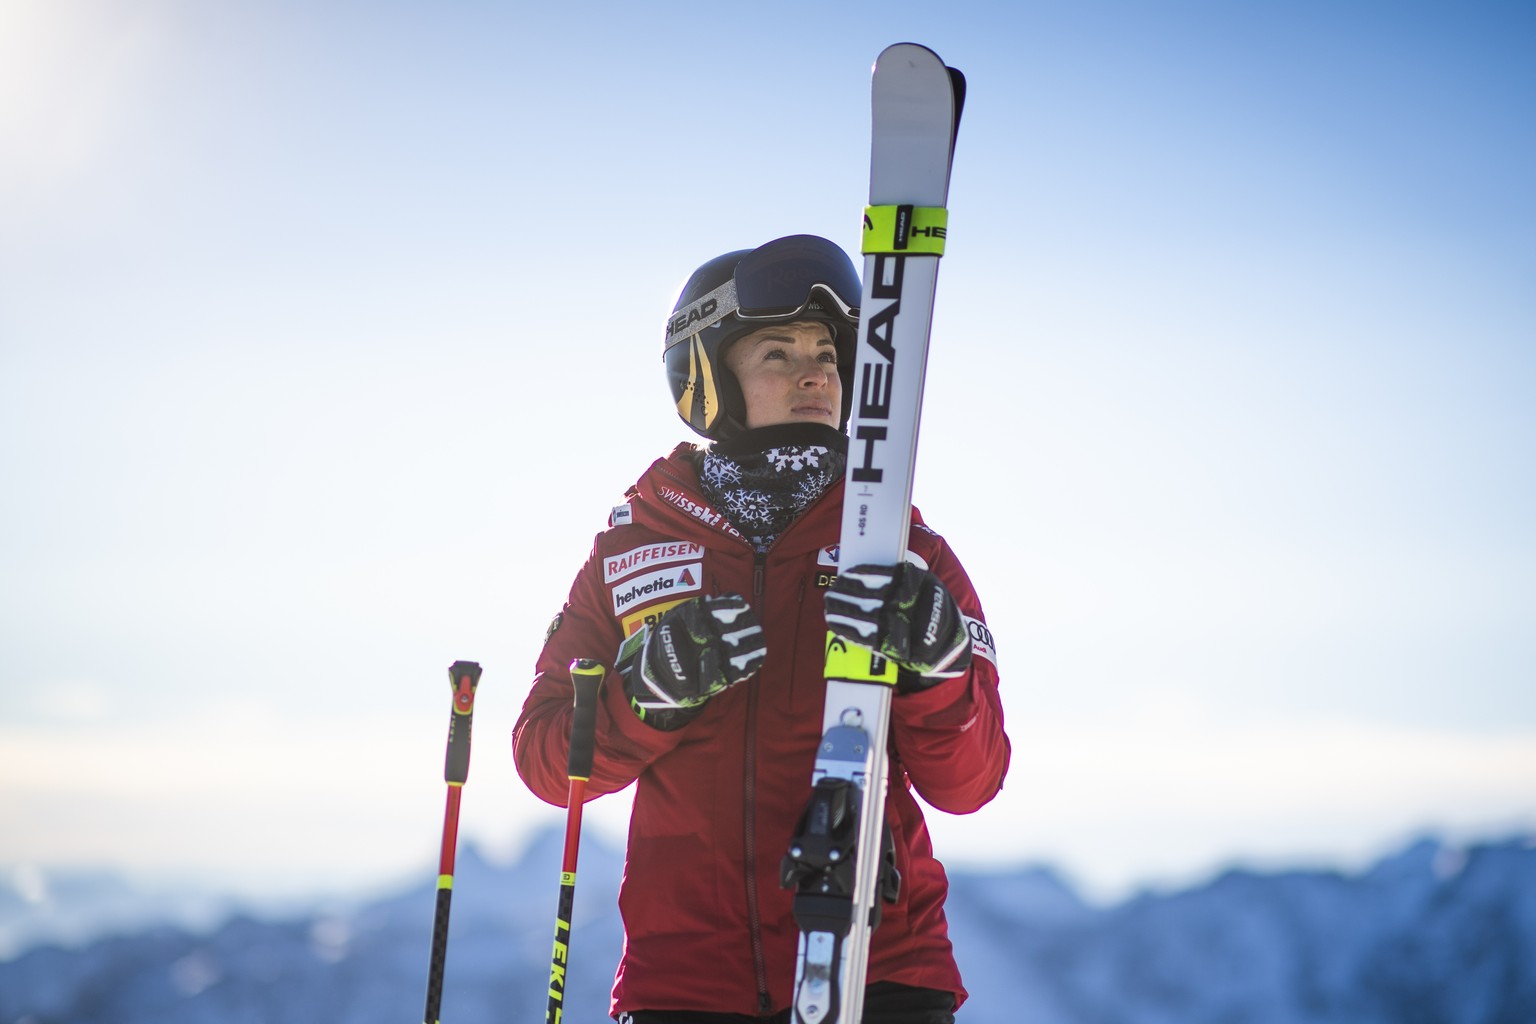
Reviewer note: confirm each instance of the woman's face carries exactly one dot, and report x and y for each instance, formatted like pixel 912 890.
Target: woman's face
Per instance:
pixel 788 374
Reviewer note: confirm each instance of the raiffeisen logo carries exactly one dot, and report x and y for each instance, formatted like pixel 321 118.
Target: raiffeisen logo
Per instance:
pixel 618 566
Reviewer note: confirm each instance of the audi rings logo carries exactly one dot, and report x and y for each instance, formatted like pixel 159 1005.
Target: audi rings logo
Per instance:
pixel 982 644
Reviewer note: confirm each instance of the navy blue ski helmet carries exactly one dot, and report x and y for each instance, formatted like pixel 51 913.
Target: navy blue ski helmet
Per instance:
pixel 799 277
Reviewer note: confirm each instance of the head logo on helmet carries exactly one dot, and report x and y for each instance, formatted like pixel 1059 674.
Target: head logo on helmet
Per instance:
pixel 799 277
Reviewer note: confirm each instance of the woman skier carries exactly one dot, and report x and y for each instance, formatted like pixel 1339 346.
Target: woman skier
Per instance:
pixel 711 592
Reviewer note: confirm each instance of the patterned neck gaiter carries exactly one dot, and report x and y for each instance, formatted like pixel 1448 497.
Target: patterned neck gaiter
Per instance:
pixel 762 479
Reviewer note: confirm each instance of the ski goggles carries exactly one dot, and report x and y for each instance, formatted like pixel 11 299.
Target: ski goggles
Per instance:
pixel 781 280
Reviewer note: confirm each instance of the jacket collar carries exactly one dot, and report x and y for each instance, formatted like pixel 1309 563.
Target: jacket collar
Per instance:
pixel 668 499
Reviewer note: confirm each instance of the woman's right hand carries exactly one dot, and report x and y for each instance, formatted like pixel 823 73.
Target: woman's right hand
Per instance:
pixel 694 651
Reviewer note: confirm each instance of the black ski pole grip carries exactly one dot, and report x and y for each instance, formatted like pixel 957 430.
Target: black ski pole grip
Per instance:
pixel 464 677
pixel 586 677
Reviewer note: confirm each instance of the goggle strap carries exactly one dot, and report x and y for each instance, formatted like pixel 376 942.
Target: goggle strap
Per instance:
pixel 704 312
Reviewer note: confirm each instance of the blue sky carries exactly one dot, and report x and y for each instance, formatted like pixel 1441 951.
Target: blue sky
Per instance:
pixel 329 332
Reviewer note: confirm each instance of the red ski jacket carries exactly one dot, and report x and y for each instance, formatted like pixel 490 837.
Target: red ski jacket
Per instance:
pixel 707 926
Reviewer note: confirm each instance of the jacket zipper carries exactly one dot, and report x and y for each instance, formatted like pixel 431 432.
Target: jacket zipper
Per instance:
pixel 749 798
pixel 749 819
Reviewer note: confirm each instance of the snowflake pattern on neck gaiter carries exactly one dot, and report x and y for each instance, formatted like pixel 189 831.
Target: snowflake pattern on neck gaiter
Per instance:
pixel 762 492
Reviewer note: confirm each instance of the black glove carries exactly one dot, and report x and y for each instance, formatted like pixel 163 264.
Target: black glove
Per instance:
pixel 694 651
pixel 905 613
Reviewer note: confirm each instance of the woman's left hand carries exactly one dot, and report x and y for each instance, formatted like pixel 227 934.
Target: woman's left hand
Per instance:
pixel 905 613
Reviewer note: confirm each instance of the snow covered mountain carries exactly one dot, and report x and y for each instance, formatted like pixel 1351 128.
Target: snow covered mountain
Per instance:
pixel 73 907
pixel 1432 934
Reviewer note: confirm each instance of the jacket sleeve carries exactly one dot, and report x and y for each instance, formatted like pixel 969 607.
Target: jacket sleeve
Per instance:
pixel 949 738
pixel 624 745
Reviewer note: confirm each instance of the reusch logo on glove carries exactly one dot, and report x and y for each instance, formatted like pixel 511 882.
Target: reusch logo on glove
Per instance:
pixel 662 583
pixel 670 650
pixel 935 615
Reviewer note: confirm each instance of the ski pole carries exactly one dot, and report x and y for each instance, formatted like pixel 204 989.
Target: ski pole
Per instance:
pixel 463 677
pixel 586 677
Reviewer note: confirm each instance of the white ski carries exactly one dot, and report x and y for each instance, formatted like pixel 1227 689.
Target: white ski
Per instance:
pixel 838 863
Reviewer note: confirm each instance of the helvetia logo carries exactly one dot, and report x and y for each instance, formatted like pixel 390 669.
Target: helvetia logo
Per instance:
pixel 663 583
